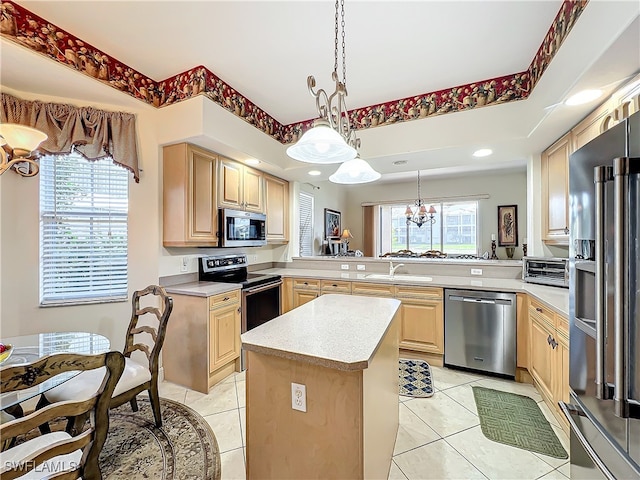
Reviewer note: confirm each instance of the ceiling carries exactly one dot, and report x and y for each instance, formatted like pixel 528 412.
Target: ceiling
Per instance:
pixel 395 49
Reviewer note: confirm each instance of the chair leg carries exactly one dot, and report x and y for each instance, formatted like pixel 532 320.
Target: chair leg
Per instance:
pixel 76 424
pixel 43 402
pixel 155 404
pixel 134 404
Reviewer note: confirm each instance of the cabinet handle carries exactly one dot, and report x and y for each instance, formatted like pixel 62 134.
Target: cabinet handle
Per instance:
pixel 306 283
pixel 225 299
pixel 538 309
pixel 334 285
pixel 554 344
pixel 566 230
pixel 239 309
pixel 549 339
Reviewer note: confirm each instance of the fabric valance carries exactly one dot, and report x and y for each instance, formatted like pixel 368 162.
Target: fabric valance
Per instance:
pixel 93 133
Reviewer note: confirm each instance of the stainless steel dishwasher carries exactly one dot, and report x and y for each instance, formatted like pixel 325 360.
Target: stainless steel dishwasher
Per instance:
pixel 480 330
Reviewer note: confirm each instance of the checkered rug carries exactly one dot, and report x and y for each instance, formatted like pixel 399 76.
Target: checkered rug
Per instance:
pixel 415 378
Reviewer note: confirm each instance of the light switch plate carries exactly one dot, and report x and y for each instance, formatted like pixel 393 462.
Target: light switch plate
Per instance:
pixel 476 271
pixel 344 266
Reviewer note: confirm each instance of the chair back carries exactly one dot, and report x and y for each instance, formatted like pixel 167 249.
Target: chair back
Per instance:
pixel 91 440
pixel 157 334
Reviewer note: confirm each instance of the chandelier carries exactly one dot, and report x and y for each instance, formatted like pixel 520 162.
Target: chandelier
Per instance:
pixel 421 216
pixel 331 139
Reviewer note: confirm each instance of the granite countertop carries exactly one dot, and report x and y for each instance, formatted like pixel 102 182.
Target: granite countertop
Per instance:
pixel 556 298
pixel 335 331
pixel 202 289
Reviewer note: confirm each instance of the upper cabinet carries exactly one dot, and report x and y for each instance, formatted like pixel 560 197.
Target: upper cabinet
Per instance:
pixel 555 191
pixel 190 215
pixel 196 182
pixel 555 160
pixel 240 187
pixel 277 206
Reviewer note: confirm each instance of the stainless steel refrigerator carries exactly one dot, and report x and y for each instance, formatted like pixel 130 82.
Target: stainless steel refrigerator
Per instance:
pixel 604 309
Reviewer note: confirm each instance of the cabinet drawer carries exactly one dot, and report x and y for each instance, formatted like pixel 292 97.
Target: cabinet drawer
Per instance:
pixel 541 313
pixel 335 286
pixel 418 293
pixel 224 299
pixel 375 289
pixel 306 284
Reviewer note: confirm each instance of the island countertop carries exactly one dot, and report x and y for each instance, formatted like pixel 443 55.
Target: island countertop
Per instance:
pixel 335 331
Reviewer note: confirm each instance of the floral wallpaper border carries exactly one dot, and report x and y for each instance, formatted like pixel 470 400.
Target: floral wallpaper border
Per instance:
pixel 21 26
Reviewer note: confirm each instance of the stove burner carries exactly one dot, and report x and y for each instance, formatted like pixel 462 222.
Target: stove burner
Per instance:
pixel 232 269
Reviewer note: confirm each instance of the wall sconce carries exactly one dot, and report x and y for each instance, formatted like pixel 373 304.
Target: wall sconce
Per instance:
pixel 21 141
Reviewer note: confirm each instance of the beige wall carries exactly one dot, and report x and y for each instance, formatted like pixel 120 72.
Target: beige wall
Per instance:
pixel 20 312
pixel 503 189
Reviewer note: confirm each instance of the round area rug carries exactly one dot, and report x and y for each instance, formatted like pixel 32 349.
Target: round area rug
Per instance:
pixel 184 448
pixel 415 378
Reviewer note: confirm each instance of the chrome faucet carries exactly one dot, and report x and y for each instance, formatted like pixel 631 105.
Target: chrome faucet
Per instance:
pixel 392 269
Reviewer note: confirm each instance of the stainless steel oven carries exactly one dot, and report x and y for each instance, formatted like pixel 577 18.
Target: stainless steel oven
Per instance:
pixel 260 292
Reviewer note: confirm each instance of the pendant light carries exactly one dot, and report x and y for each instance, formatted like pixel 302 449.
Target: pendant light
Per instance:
pixel 331 139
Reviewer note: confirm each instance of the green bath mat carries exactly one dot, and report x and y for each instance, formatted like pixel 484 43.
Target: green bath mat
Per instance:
pixel 516 420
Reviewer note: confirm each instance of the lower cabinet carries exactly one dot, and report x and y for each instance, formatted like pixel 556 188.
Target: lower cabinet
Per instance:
pixel 549 356
pixel 305 290
pixel 202 343
pixel 422 319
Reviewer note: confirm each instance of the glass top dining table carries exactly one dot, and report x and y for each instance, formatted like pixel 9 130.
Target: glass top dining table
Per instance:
pixel 29 348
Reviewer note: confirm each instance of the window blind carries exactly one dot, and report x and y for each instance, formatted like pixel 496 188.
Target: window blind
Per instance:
pixel 83 230
pixel 306 224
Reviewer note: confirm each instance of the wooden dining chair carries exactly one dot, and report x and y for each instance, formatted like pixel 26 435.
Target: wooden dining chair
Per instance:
pixel 44 455
pixel 137 377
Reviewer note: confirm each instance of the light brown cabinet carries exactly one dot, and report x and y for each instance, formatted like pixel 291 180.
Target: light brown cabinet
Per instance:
pixel 286 294
pixel 549 356
pixel 240 187
pixel 421 319
pixel 190 215
pixel 335 286
pixel 522 330
pixel 202 343
pixel 277 209
pixel 593 125
pixel 305 290
pixel 555 192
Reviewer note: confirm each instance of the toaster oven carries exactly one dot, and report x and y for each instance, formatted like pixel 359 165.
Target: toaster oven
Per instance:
pixel 546 271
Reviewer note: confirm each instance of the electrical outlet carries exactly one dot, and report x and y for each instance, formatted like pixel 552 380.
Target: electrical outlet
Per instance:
pixel 476 271
pixel 185 264
pixel 299 397
pixel 344 266
pixel 361 267
pixel 344 275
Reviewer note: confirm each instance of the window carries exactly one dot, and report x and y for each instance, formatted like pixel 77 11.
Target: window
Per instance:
pixel 453 231
pixel 306 225
pixel 83 230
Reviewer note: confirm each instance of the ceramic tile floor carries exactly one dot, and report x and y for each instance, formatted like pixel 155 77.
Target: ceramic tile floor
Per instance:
pixel 438 437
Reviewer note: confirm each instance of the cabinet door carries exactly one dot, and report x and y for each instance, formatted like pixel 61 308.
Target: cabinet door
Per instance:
pixel 277 209
pixel 190 214
pixel 541 365
pixel 253 190
pixel 422 326
pixel 555 194
pixel 230 184
pixel 589 128
pixel 522 330
pixel 300 297
pixel 286 294
pixel 224 336
pixel 561 370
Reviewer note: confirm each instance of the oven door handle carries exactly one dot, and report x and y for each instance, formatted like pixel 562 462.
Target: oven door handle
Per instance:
pixel 261 288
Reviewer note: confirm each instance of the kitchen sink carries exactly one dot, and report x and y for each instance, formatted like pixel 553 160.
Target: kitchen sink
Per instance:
pixel 400 277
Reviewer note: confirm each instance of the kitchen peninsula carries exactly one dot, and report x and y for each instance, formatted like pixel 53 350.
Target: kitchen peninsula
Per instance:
pixel 344 350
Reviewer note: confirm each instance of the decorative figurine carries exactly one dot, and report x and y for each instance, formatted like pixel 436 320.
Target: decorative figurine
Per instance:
pixel 493 250
pixel 524 249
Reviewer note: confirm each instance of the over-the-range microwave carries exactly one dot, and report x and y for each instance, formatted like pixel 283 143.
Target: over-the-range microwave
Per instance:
pixel 241 229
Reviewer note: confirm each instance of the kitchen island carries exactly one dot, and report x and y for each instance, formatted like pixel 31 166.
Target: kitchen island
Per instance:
pixel 344 350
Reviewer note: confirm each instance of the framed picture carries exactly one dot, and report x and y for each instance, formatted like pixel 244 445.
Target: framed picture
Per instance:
pixel 508 225
pixel 331 223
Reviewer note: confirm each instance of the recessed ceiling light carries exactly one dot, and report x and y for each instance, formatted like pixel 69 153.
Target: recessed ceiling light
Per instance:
pixel 483 152
pixel 400 162
pixel 315 173
pixel 252 161
pixel 584 96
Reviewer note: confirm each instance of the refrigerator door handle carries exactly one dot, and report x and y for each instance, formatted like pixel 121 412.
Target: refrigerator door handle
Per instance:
pixel 601 175
pixel 624 406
